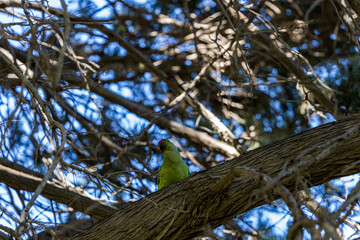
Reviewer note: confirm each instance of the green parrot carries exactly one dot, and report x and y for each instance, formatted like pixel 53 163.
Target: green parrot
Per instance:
pixel 173 167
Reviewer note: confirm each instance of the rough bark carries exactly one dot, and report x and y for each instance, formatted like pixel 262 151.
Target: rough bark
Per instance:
pixel 209 198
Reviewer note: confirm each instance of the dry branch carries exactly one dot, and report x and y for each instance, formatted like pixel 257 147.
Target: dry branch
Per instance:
pixel 285 56
pixel 189 207
pixel 215 122
pixel 21 178
pixel 180 130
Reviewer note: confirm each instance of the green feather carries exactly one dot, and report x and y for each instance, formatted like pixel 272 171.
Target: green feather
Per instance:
pixel 173 167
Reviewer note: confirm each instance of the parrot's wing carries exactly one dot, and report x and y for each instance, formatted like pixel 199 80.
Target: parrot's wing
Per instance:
pixel 158 176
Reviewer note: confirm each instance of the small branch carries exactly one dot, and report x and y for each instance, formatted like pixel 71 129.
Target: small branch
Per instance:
pixel 21 178
pixel 325 219
pixel 195 136
pixel 282 53
pixel 52 123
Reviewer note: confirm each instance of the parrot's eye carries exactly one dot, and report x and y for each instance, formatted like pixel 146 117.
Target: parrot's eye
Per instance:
pixel 161 145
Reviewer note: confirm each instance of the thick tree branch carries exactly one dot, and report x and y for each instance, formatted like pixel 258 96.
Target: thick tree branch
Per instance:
pixel 210 198
pixel 21 178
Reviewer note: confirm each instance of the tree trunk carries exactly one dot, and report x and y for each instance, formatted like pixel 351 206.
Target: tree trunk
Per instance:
pixel 209 198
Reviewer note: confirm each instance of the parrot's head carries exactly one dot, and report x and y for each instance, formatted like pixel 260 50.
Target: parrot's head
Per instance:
pixel 166 145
